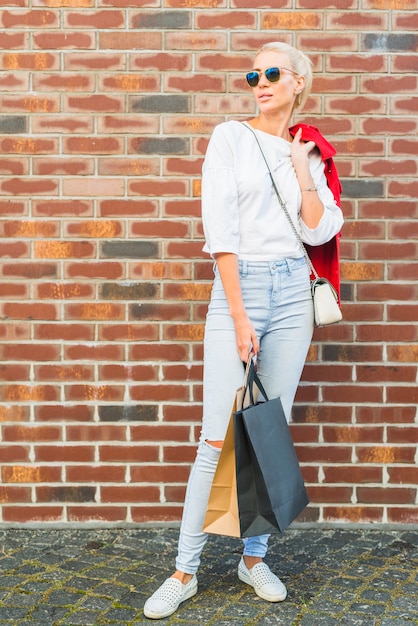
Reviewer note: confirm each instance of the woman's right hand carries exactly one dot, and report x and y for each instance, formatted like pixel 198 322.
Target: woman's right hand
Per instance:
pixel 247 341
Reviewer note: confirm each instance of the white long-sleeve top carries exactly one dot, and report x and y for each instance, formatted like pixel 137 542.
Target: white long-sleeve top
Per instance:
pixel 240 210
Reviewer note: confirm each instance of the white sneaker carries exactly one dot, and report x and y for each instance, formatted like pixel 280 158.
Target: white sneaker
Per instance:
pixel 266 584
pixel 167 599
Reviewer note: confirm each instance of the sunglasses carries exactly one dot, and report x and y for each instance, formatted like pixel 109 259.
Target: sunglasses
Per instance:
pixel 272 74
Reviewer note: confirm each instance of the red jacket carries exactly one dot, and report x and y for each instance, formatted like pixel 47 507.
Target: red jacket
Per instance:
pixel 325 258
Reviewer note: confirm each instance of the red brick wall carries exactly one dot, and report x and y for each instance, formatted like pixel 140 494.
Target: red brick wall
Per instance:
pixel 105 111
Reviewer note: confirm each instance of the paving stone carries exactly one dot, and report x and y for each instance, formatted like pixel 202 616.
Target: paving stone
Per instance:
pixel 344 577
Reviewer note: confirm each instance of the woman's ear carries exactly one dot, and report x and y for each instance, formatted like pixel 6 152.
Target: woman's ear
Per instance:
pixel 300 85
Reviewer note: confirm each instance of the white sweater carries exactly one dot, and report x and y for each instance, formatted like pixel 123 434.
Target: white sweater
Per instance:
pixel 240 210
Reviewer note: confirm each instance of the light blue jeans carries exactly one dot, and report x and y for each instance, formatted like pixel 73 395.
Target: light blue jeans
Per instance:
pixel 278 301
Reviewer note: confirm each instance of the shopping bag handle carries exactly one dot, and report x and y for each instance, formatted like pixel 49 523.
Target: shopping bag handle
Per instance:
pixel 251 377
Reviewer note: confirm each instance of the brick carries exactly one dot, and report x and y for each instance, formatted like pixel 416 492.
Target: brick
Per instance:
pixel 95 474
pixel 13 124
pixel 392 42
pixel 14 413
pixel 34 61
pixel 63 249
pixel 70 125
pixel 120 208
pixel 27 514
pixel 195 41
pixel 64 373
pixel 94 19
pixel 385 454
pixel 129 332
pixel 107 270
pixel 389 84
pixel 10 41
pixel 402 515
pixel 94 352
pixel 92 145
pixel 64 40
pixel 162 19
pixel 65 494
pixel 94 229
pixel 64 453
pixel 124 372
pixel 403 475
pixel 158 311
pixel 352 474
pixel 24 145
pixel 30 474
pixel 32 311
pixel 408 435
pixel 11 81
pixel 291 20
pixel 31 433
pixel 132 291
pixel 353 514
pixel 37 18
pixel 62 291
pixel 93 187
pixel 169 145
pixel 389 167
pixel 161 513
pixel 128 167
pixel 57 412
pixel 64 81
pixel 140 413
pixel 30 393
pixel 128 125
pixel 363 188
pixel 96 103
pixel 131 41
pixel 357 20
pixel 63 332
pixel 61 208
pixel 130 493
pixel 14 167
pixel 30 104
pixel 25 352
pixel 14 372
pixel 161 104
pixel 94 311
pixel 355 105
pixel 61 167
pixel 95 61
pixel 30 270
pixel 161 61
pixel 129 82
pixel 130 249
pixel 95 512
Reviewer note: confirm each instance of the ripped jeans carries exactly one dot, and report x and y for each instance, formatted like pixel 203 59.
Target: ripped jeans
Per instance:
pixel 278 302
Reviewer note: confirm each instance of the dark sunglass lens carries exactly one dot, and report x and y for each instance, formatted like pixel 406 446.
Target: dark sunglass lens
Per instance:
pixel 273 74
pixel 252 79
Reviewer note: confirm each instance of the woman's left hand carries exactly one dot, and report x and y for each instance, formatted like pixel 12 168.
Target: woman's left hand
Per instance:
pixel 299 151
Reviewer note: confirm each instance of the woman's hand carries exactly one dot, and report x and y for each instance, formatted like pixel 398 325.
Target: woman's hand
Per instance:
pixel 246 338
pixel 299 152
pixel 247 341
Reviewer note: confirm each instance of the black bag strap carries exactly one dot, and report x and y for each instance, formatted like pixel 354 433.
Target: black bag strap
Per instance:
pixel 251 378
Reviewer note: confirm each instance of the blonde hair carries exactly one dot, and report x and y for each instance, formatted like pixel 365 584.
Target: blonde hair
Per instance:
pixel 299 62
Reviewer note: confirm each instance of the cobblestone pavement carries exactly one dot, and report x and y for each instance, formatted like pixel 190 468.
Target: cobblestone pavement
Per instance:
pixel 53 577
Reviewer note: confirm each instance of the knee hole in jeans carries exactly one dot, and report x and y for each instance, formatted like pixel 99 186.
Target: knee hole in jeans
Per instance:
pixel 217 445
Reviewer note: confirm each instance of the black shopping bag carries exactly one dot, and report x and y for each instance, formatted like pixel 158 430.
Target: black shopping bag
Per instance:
pixel 270 486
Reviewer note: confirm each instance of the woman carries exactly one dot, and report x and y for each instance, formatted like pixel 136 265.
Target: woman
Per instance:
pixel 261 304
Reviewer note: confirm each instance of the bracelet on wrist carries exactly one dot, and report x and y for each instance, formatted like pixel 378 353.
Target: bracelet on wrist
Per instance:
pixel 310 189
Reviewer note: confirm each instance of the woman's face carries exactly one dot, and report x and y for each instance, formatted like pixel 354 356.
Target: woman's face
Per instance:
pixel 277 96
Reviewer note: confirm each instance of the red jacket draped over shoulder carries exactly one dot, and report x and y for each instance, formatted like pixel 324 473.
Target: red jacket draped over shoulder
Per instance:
pixel 325 258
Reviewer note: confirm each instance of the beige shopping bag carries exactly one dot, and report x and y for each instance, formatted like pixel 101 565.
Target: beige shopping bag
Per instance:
pixel 222 516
